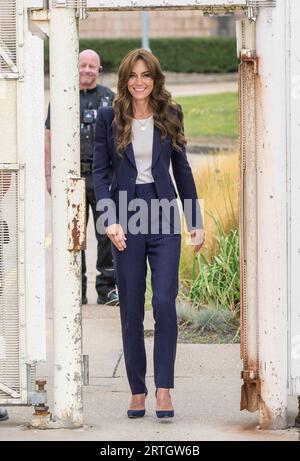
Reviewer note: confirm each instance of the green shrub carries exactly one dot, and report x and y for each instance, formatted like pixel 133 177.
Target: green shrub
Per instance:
pixel 217 280
pixel 199 54
pixel 206 320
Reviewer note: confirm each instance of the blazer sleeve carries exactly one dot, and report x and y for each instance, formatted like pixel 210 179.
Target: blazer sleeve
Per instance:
pixel 101 172
pixel 187 189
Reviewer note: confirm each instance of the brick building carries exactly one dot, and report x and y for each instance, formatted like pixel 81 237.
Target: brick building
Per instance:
pixel 184 23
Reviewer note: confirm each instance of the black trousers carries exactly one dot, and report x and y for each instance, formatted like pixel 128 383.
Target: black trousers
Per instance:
pixel 105 279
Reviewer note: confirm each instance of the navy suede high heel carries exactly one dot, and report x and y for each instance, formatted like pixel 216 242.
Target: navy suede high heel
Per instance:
pixel 137 413
pixel 164 413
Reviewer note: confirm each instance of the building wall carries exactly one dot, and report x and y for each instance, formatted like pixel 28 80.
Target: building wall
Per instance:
pixel 128 24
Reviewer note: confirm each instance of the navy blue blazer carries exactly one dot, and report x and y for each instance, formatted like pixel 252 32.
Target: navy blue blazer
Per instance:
pixel 125 171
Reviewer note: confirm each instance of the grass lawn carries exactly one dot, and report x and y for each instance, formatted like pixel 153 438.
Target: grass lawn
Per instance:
pixel 210 116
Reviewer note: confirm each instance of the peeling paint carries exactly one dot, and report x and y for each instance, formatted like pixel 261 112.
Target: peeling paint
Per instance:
pixel 76 215
pixel 272 419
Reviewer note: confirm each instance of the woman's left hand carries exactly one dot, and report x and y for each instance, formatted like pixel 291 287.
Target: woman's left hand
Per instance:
pixel 198 238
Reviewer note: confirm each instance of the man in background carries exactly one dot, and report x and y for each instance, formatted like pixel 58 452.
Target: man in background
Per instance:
pixel 92 96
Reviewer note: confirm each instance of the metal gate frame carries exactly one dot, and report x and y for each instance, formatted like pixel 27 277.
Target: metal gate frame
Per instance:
pixel 252 395
pixel 23 153
pixel 271 415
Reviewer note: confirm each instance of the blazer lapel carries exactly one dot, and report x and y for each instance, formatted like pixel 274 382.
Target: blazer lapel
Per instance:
pixel 130 155
pixel 157 146
pixel 156 149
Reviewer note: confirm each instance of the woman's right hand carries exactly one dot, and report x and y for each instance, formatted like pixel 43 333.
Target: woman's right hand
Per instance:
pixel 116 235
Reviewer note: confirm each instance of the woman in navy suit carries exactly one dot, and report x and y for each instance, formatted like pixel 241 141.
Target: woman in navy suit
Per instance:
pixel 140 136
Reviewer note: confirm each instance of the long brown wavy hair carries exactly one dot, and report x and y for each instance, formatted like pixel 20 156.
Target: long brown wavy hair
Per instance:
pixel 167 115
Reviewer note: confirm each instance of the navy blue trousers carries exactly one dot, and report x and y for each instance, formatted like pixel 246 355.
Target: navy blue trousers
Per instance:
pixel 162 252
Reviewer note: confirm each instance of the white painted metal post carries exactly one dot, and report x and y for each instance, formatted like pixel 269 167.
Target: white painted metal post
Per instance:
pixel 30 145
pixel 30 139
pixel 272 214
pixel 65 153
pixel 22 153
pixel 293 98
pixel 209 5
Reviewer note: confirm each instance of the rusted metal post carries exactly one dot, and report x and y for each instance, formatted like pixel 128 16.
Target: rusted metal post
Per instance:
pixel 67 217
pixel 248 214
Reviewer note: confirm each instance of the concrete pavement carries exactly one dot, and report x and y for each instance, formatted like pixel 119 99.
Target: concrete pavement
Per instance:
pixel 206 395
pixel 205 398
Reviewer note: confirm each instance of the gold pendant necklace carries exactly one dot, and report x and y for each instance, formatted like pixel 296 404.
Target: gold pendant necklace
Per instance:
pixel 142 125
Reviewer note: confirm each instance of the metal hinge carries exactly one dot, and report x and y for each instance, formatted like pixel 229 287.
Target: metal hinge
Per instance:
pixel 80 5
pixel 254 5
pixel 249 375
pixel 69 3
pixel 250 390
pixel 260 3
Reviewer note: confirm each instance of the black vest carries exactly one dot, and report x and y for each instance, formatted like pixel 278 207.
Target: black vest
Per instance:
pixel 90 101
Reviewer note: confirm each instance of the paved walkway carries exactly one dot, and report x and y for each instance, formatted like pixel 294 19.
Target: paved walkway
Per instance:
pixel 206 396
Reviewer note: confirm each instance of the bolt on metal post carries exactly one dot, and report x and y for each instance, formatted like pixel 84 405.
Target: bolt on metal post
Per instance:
pixel 41 415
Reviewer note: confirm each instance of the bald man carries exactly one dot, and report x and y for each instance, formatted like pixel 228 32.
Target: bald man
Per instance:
pixel 92 96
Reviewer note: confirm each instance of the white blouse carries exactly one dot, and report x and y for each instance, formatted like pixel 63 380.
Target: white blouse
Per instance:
pixel 142 143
